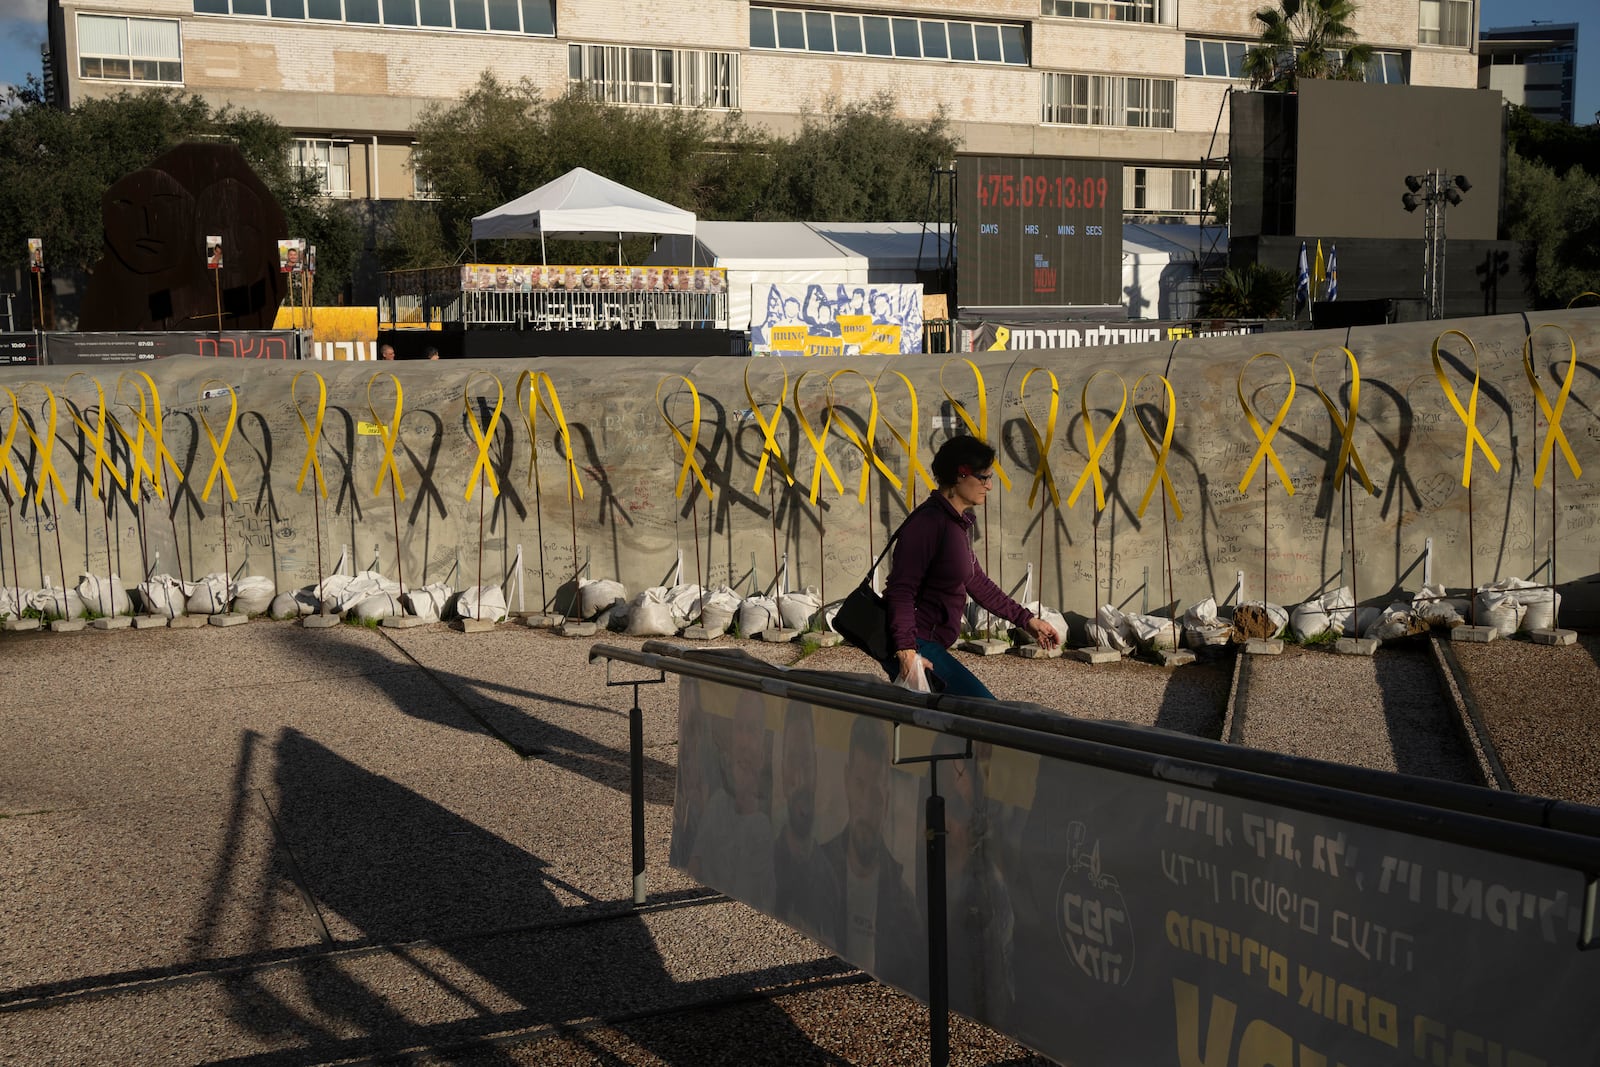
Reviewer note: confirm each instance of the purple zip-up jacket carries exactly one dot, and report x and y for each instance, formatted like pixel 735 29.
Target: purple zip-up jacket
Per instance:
pixel 933 573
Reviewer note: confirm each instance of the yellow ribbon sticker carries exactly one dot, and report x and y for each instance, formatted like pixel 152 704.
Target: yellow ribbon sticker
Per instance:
pixel 1264 449
pixel 1346 423
pixel 1468 414
pixel 484 437
pixel 908 442
pixel 1002 338
pixel 1158 452
pixel 769 429
pixel 390 434
pixel 980 428
pixel 10 438
pixel 97 436
pixel 819 444
pixel 1553 433
pixel 1043 474
pixel 552 406
pixel 1096 446
pixel 312 430
pixel 687 442
pixel 219 451
pixel 866 445
pixel 46 447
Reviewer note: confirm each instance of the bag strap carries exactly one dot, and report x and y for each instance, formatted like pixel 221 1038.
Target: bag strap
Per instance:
pixel 890 543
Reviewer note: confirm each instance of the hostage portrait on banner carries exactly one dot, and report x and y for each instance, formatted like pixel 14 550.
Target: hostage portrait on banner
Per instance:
pixel 836 319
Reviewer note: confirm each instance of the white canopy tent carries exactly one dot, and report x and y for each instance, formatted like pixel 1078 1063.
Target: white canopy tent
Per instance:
pixel 1161 267
pixel 583 206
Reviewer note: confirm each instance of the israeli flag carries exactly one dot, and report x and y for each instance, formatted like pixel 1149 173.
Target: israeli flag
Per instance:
pixel 1302 287
pixel 1333 272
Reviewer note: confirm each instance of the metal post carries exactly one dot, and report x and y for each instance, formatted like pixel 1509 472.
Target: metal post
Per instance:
pixel 636 789
pixel 938 933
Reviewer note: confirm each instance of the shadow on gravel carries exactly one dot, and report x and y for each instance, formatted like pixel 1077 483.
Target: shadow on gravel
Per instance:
pixel 463 946
pixel 1425 734
pixel 443 698
pixel 1195 699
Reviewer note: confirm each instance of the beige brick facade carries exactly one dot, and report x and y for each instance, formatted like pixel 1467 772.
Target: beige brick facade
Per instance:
pixel 366 85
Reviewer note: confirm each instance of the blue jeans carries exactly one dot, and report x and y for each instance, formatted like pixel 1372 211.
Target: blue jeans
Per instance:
pixel 958 681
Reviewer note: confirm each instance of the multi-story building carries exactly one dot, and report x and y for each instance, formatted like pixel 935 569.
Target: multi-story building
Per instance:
pixel 1139 81
pixel 1534 66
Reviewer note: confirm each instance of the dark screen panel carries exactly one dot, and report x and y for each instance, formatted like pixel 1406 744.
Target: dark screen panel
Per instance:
pixel 1039 231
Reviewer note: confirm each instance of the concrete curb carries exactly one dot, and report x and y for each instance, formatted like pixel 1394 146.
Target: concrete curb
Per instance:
pixel 1458 691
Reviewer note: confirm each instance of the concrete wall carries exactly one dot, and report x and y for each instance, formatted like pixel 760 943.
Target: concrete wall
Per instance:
pixel 630 525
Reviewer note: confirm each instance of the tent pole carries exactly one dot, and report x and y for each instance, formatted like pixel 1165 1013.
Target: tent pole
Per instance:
pixel 542 260
pixel 619 249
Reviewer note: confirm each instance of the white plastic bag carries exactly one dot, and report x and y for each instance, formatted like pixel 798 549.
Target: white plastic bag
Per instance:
pixel 252 594
pixel 164 595
pixel 104 595
pixel 341 592
pixel 598 595
pixel 428 603
pixel 1201 627
pixel 12 601
pixel 684 600
pixel 1542 609
pixel 1436 609
pixel 1397 620
pixel 718 609
pixel 651 615
pixel 1152 631
pixel 916 679
pixel 482 602
pixel 758 613
pixel 1057 621
pixel 797 609
pixel 1110 630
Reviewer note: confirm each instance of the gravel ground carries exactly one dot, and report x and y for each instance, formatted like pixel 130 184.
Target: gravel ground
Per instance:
pixel 1384 712
pixel 1541 707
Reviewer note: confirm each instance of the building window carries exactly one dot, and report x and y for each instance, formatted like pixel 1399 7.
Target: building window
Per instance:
pixel 1388 68
pixel 664 76
pixel 1448 22
pixel 537 17
pixel 326 161
pixel 837 33
pixel 1214 59
pixel 1147 11
pixel 1108 100
pixel 128 49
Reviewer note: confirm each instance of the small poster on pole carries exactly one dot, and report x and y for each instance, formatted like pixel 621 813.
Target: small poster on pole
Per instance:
pixel 289 252
pixel 311 259
pixel 214 252
pixel 35 255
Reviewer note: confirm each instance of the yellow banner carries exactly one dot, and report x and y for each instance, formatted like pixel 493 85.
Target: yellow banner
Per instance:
pixel 97 436
pixel 908 442
pixel 853 329
pixel 867 444
pixel 824 346
pixel 788 338
pixel 10 438
pixel 885 341
pixel 551 403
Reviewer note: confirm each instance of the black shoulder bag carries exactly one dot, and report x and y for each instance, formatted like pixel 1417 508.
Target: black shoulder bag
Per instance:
pixel 863 618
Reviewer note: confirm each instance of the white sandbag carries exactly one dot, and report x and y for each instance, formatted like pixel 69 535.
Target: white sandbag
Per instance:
pixel 54 603
pixel 718 610
pixel 1500 609
pixel 105 595
pixel 1309 620
pixel 1341 608
pixel 1201 627
pixel 378 606
pixel 599 595
pixel 1153 631
pixel 293 605
pixel 758 613
pixel 12 600
pixel 252 594
pixel 798 609
pixel 650 614
pixel 1397 620
pixel 684 600
pixel 482 602
pixel 1110 630
pixel 341 592
pixel 1057 621
pixel 1541 611
pixel 211 595
pixel 1436 609
pixel 1275 616
pixel 164 595
pixel 429 602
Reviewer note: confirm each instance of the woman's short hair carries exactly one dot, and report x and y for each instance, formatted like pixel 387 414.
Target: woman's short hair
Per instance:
pixel 959 452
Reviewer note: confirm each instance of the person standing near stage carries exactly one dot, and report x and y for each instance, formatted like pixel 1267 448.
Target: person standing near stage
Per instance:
pixel 935 570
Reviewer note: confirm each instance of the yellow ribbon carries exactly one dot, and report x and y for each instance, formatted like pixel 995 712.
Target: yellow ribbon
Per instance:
pixel 908 443
pixel 552 407
pixel 219 452
pixel 312 430
pixel 390 434
pixel 819 445
pixel 10 438
pixel 151 426
pixel 1264 448
pixel 141 468
pixel 1002 337
pixel 1553 432
pixel 1097 447
pixel 1345 424
pixel 868 444
pixel 46 447
pixel 769 429
pixel 484 437
pixel 687 442
pixel 980 428
pixel 530 419
pixel 1580 296
pixel 1469 414
pixel 98 436
pixel 1042 474
pixel 1159 452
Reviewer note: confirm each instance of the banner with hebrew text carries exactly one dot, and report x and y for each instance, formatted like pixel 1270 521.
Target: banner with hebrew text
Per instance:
pixel 1105 918
pixel 836 319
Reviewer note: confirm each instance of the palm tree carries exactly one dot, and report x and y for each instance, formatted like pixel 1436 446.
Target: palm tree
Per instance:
pixel 1306 39
pixel 1249 292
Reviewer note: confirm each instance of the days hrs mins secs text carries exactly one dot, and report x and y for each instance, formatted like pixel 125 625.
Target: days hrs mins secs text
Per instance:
pixel 1037 190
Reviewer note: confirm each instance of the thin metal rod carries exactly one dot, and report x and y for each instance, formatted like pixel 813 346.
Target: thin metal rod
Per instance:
pixel 636 793
pixel 481 494
pixel 699 568
pixel 1166 541
pixel 538 518
pixel 572 512
pixel 1043 519
pixel 399 569
pixel 938 931
pixel 1266 496
pixel 772 523
pixel 1472 574
pixel 822 566
pixel 1094 608
pixel 61 560
pixel 227 567
pixel 11 536
pixel 322 577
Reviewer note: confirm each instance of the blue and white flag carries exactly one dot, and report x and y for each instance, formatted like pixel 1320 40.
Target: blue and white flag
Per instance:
pixel 1302 286
pixel 1333 272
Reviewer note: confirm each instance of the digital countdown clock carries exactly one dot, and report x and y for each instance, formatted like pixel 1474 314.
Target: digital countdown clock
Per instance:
pixel 1038 231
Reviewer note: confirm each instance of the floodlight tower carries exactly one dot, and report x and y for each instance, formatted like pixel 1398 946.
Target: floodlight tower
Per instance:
pixel 1435 190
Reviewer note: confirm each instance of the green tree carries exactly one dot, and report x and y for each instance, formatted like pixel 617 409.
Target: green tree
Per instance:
pixel 55 165
pixel 1306 39
pixel 1560 214
pixel 1558 145
pixel 1249 292
pixel 1217 199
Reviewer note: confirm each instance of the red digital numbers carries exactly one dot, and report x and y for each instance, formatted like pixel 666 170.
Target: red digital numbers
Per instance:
pixel 1012 190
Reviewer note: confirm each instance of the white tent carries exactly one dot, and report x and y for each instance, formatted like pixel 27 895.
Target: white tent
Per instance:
pixel 581 205
pixel 1161 267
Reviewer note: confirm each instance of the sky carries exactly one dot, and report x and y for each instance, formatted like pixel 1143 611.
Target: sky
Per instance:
pixel 22 32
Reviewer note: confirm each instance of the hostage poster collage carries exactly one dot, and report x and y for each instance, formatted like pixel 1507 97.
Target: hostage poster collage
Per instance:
pixel 1104 917
pixel 535 277
pixel 835 319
